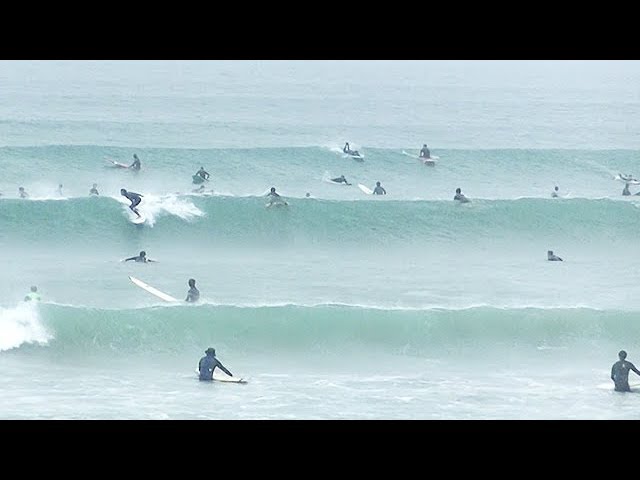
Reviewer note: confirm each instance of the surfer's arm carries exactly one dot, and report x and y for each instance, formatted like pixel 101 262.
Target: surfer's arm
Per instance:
pixel 613 370
pixel 131 258
pixel 633 367
pixel 224 369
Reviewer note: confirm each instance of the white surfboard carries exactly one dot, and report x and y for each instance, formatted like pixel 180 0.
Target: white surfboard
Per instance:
pixel 152 290
pixel 635 387
pixel 223 377
pixel 116 164
pixel 138 220
pixel 431 161
pixel 365 189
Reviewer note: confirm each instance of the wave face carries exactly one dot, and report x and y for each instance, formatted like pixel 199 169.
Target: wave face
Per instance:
pixel 323 329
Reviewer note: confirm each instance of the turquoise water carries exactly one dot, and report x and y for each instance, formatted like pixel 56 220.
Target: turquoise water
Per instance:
pixel 342 305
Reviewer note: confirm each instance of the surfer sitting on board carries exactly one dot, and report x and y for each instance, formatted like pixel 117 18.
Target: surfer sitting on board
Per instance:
pixel 136 163
pixel 553 258
pixel 459 196
pixel 346 149
pixel 193 295
pixel 140 258
pixel 620 373
pixel 340 179
pixel 22 193
pixel 424 152
pixel 135 198
pixel 208 364
pixel 94 190
pixel 379 190
pixel 202 173
pixel 275 198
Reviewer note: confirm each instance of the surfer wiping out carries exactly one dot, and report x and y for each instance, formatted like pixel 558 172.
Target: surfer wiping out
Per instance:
pixel 340 179
pixel 208 364
pixel 201 175
pixel 135 198
pixel 193 295
pixel 140 258
pixel 620 373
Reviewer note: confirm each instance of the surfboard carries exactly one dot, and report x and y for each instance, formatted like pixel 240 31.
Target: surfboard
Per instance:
pixel 365 189
pixel 223 377
pixel 635 387
pixel 276 204
pixel 152 290
pixel 358 158
pixel 117 164
pixel 430 162
pixel 138 220
pixel 328 180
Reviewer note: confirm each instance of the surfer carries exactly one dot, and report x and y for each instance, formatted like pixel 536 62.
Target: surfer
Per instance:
pixel 60 190
pixel 202 173
pixel 308 195
pixel 626 191
pixel 33 295
pixel 193 295
pixel 275 198
pixel 346 149
pixel 136 163
pixel 553 258
pixel 379 190
pixel 140 258
pixel 554 194
pixel 135 198
pixel 459 196
pixel 620 373
pixel 94 190
pixel 340 179
pixel 22 193
pixel 424 152
pixel 208 364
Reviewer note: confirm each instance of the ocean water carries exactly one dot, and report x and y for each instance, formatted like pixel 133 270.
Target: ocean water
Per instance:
pixel 341 305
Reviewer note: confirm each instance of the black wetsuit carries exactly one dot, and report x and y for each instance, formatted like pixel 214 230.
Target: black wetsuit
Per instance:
pixel 425 153
pixel 461 198
pixel 620 375
pixel 207 365
pixel 93 191
pixel 138 258
pixel 135 198
pixel 135 165
pixel 379 191
pixel 193 295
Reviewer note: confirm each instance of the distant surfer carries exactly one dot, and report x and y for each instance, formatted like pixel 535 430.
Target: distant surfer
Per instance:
pixel 308 195
pixel 208 364
pixel 60 190
pixel 142 258
pixel 459 196
pixel 201 175
pixel 424 152
pixel 620 372
pixel 555 194
pixel 379 190
pixel 136 163
pixel 275 198
pixel 347 149
pixel 553 258
pixel 627 178
pixel 22 193
pixel 626 191
pixel 94 190
pixel 193 295
pixel 33 295
pixel 340 179
pixel 135 198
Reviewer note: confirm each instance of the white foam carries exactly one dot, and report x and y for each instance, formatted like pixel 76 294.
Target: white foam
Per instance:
pixel 21 324
pixel 153 207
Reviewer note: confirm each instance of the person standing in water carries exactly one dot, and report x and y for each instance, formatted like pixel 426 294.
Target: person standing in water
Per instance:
pixel 620 373
pixel 379 190
pixel 193 295
pixel 94 190
pixel 136 163
pixel 208 364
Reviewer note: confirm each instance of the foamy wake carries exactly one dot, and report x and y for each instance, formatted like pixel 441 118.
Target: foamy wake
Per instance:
pixel 21 324
pixel 153 207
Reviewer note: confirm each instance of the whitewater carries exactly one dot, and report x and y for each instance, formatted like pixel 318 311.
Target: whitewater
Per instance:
pixel 342 305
